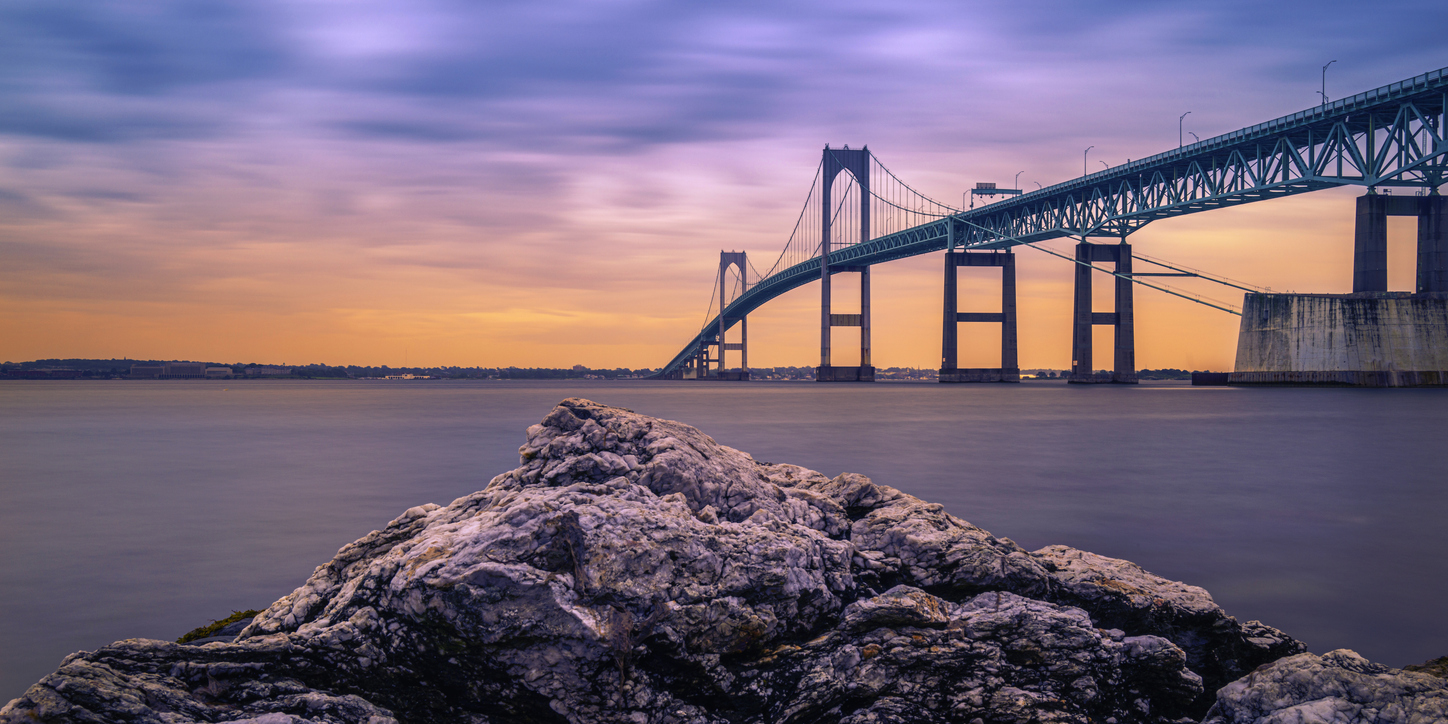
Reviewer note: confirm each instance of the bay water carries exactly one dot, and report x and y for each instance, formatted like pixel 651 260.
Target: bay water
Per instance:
pixel 142 509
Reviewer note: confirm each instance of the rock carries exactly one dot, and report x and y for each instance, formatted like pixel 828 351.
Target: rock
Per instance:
pixel 634 570
pixel 1338 687
pixel 1436 667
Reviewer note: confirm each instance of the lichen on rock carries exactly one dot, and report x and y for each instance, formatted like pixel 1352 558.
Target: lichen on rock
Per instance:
pixel 632 569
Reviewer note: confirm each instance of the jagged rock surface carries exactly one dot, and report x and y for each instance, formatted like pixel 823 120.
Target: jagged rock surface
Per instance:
pixel 1338 687
pixel 634 570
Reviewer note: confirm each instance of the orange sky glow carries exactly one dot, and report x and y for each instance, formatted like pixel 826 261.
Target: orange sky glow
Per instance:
pixel 366 197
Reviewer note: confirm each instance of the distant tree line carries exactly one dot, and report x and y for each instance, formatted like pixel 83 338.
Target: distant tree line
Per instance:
pixel 1166 373
pixel 112 368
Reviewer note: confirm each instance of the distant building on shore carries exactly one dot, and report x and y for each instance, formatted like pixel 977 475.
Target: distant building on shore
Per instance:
pixel 169 371
pixel 268 371
pixel 42 374
pixel 218 373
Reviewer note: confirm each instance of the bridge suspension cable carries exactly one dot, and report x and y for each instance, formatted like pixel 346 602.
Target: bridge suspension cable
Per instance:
pixel 736 287
pixel 1198 298
pixel 894 206
pixel 1189 271
pixel 713 294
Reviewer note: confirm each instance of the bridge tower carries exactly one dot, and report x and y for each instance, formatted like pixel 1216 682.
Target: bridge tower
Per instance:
pixel 739 260
pixel 857 163
pixel 1010 370
pixel 1123 318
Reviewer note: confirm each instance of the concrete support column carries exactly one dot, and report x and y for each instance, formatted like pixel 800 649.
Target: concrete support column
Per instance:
pixel 865 317
pixel 722 346
pixel 1081 315
pixel 1124 369
pixel 1370 244
pixel 825 296
pixel 744 343
pixel 1010 362
pixel 948 343
pixel 1433 244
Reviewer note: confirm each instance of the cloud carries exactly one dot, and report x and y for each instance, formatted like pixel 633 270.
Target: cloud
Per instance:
pixel 409 156
pixel 114 73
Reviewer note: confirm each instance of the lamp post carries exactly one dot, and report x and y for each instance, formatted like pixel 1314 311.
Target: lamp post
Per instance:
pixel 1017 183
pixel 1323 92
pixel 1195 137
pixel 1084 170
pixel 1103 165
pixel 1179 127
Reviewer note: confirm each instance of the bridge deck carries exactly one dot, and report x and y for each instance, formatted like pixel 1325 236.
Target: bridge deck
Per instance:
pixel 1389 136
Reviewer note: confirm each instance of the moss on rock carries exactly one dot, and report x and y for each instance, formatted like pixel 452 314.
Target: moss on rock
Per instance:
pixel 211 628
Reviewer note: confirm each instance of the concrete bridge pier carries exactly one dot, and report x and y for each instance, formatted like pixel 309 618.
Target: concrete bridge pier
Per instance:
pixel 1370 240
pixel 827 372
pixel 1123 318
pixel 698 368
pixel 1009 371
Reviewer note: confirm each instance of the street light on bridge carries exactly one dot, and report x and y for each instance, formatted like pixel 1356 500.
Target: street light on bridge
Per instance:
pixel 1323 92
pixel 1179 127
pixel 1084 169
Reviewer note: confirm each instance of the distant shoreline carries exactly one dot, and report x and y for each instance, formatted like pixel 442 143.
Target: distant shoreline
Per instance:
pixel 72 369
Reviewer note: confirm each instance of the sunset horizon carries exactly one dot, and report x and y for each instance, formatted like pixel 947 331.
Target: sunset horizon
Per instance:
pixel 386 188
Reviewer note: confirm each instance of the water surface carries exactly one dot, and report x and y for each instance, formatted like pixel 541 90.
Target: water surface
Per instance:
pixel 147 508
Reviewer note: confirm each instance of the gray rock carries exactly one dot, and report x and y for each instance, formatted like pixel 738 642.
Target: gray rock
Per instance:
pixel 634 570
pixel 1338 687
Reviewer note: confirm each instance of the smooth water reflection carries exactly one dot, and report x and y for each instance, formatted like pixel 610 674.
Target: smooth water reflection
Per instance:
pixel 143 509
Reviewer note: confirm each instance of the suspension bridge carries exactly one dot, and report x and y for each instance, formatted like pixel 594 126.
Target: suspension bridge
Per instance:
pixel 858 213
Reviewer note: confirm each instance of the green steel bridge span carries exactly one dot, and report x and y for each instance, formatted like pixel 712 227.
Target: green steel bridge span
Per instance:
pixel 859 214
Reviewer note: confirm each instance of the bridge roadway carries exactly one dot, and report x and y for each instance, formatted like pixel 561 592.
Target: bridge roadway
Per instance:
pixel 1391 136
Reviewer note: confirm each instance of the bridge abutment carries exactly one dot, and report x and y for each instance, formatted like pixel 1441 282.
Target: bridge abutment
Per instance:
pixel 1123 318
pixel 1370 338
pixel 1366 339
pixel 1009 371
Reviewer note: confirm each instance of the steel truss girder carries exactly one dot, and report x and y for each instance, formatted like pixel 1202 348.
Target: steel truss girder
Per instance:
pixel 1393 136
pixel 1389 137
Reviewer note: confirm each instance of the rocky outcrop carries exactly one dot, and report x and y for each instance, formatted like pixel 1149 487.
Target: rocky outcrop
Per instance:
pixel 1338 687
pixel 634 570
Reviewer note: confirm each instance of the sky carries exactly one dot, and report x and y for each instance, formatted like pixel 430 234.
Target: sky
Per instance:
pixel 549 184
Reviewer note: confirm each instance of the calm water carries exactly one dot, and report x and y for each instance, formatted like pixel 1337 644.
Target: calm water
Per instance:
pixel 144 509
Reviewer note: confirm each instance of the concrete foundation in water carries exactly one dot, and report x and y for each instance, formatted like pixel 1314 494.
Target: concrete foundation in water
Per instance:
pixel 1365 339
